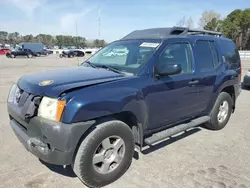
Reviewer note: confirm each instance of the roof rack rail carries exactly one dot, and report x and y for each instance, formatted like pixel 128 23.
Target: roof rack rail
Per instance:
pixel 161 33
pixel 204 32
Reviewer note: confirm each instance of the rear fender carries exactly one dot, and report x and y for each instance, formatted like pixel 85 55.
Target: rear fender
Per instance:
pixel 226 82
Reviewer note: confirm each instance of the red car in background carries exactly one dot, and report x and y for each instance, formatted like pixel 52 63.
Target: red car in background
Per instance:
pixel 3 51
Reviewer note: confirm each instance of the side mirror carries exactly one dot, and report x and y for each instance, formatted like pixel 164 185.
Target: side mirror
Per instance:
pixel 168 70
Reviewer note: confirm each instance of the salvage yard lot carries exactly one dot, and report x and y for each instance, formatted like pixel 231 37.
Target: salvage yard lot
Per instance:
pixel 198 158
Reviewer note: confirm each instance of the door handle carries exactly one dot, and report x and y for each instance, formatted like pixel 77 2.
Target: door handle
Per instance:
pixel 192 82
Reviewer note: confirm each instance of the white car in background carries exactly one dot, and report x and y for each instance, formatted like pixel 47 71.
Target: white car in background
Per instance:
pixel 90 51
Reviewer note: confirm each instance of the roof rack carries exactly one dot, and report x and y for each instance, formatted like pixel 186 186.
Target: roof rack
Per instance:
pixel 161 33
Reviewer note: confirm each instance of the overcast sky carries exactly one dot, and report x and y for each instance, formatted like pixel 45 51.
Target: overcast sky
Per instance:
pixel 118 17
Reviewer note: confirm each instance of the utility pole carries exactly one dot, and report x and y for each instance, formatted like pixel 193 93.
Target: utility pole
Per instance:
pixel 76 36
pixel 99 24
pixel 77 46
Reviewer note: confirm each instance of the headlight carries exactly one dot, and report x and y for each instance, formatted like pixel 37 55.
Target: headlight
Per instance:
pixel 51 109
pixel 248 73
pixel 12 93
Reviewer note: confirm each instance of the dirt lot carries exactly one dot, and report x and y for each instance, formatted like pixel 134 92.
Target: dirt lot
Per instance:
pixel 199 158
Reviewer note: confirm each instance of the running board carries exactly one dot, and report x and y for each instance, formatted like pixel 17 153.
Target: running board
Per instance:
pixel 176 129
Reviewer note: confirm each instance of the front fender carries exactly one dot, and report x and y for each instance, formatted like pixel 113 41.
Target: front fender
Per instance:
pixel 105 102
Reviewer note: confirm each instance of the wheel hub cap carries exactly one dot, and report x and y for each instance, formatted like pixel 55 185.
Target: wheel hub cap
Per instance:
pixel 109 154
pixel 223 111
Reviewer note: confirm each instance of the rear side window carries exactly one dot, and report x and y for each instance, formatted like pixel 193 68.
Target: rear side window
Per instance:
pixel 215 54
pixel 204 57
pixel 229 52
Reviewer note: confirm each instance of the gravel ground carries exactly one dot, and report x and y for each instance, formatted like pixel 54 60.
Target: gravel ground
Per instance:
pixel 198 158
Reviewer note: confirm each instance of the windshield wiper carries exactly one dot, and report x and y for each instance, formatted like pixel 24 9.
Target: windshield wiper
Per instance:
pixel 91 64
pixel 111 68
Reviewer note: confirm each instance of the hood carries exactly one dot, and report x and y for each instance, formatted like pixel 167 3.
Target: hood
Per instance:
pixel 52 83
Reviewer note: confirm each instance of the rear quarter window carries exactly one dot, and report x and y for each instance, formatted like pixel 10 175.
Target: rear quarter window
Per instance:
pixel 230 53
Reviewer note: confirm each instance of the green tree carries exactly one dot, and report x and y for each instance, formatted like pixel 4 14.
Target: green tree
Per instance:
pixel 80 42
pixel 208 16
pixel 99 43
pixel 3 37
pixel 213 25
pixel 237 27
pixel 28 38
pixel 46 39
pixel 13 38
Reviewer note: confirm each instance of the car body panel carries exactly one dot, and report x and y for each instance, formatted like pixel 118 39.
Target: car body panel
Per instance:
pixel 78 77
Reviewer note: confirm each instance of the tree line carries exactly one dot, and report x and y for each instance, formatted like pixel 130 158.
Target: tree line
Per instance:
pixel 235 25
pixel 49 40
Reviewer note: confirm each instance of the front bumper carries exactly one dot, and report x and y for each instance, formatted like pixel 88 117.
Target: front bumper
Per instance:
pixel 52 142
pixel 246 80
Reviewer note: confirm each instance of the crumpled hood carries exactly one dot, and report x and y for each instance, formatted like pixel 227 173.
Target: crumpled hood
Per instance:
pixel 63 79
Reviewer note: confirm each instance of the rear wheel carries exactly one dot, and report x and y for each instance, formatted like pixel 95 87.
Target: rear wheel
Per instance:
pixel 105 154
pixel 221 112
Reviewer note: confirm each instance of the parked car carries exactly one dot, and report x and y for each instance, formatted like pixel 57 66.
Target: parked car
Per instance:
pixel 106 108
pixel 246 80
pixel 21 52
pixel 46 52
pixel 3 51
pixel 72 53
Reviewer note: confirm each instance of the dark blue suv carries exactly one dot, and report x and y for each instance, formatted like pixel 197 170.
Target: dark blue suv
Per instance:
pixel 162 82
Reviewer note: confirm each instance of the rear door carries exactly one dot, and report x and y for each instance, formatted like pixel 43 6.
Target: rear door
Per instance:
pixel 207 67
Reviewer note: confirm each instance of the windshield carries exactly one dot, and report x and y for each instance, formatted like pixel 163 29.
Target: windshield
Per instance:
pixel 127 56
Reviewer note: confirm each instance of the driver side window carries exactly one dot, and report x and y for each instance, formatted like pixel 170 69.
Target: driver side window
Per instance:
pixel 178 53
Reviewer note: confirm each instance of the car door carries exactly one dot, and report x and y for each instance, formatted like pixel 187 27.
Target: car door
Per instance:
pixel 23 52
pixel 172 98
pixel 207 63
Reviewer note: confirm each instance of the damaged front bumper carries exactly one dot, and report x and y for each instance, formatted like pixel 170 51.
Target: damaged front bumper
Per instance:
pixel 52 142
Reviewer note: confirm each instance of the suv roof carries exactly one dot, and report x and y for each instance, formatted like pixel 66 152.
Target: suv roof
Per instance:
pixel 168 32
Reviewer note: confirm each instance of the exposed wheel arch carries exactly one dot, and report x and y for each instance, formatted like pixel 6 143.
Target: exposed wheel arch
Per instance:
pixel 231 91
pixel 126 117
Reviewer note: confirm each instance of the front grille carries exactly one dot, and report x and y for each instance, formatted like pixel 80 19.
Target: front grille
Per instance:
pixel 25 104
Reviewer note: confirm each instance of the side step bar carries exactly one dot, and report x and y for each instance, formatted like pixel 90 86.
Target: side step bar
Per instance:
pixel 176 129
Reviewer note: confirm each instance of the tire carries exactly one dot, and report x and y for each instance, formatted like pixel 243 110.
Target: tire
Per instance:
pixel 38 54
pixel 29 55
pixel 91 173
pixel 12 56
pixel 60 55
pixel 245 87
pixel 222 101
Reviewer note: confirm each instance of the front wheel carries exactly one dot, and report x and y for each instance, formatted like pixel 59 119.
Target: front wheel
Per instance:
pixel 105 154
pixel 29 55
pixel 221 112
